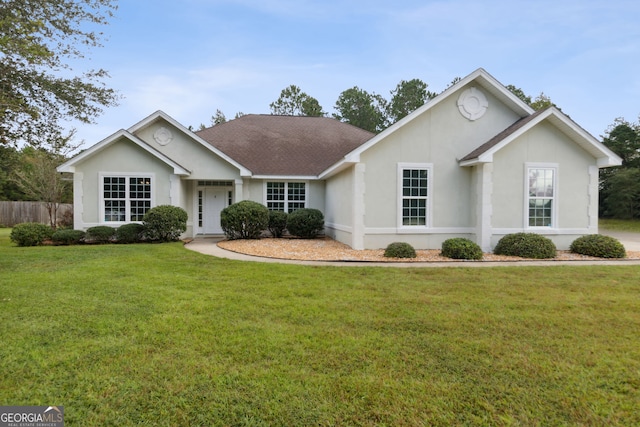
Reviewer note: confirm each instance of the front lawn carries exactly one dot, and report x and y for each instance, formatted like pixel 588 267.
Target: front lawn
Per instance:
pixel 159 335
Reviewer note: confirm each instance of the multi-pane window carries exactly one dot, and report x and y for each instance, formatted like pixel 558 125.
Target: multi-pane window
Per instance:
pixel 541 196
pixel 126 198
pixel 415 193
pixel 286 196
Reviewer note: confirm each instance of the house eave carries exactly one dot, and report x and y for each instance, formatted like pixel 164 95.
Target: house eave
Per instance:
pixel 475 162
pixel 339 167
pixel 286 177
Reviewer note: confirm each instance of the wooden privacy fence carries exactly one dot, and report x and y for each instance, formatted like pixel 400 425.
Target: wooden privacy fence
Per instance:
pixel 12 213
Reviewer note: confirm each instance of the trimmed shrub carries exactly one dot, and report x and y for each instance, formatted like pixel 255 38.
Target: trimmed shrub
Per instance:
pixel 399 250
pixel 244 220
pixel 305 223
pixel 165 223
pixel 277 223
pixel 30 233
pixel 100 234
pixel 129 233
pixel 599 246
pixel 461 248
pixel 68 237
pixel 526 245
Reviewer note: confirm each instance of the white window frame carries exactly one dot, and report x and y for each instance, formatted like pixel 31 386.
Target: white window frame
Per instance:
pixel 286 192
pixel 126 175
pixel 554 198
pixel 429 197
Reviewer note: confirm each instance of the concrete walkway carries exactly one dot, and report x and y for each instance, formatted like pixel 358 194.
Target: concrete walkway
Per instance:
pixel 208 246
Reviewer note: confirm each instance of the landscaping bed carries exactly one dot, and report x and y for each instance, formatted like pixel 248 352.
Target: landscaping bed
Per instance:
pixel 327 249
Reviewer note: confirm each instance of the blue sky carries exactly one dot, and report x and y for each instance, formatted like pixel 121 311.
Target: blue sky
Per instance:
pixel 191 57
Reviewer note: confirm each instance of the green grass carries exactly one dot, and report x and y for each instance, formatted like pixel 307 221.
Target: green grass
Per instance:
pixel 159 335
pixel 632 225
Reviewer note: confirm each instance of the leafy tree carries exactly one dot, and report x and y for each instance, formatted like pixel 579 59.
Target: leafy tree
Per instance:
pixel 39 179
pixel 362 109
pixel 623 138
pixel 216 119
pixel 519 93
pixel 540 102
pixel 622 197
pixel 407 97
pixel 620 186
pixel 38 40
pixel 294 102
pixel 9 164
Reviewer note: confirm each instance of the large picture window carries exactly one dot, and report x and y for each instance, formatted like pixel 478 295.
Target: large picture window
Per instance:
pixel 414 183
pixel 541 196
pixel 126 198
pixel 286 196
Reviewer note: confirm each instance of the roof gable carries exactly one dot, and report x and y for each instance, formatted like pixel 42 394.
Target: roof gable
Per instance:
pixel 484 153
pixel 479 77
pixel 69 166
pixel 270 145
pixel 161 115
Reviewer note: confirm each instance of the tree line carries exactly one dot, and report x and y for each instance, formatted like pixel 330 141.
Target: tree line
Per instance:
pixel 356 106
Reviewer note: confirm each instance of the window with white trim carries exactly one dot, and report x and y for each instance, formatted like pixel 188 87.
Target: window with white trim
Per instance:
pixel 286 196
pixel 126 198
pixel 414 183
pixel 541 206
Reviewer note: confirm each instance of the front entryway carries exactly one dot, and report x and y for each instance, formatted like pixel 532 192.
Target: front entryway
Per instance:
pixel 215 199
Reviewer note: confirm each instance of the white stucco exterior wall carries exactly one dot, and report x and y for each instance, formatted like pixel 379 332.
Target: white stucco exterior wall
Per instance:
pixel 121 157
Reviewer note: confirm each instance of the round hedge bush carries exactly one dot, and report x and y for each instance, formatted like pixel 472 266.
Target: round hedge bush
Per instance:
pixel 277 223
pixel 165 223
pixel 100 234
pixel 461 248
pixel 598 245
pixel 399 250
pixel 306 223
pixel 526 245
pixel 30 234
pixel 244 220
pixel 68 237
pixel 129 233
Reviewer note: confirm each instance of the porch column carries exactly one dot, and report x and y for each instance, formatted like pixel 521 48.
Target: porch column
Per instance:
pixel 78 198
pixel 175 190
pixel 238 193
pixel 484 207
pixel 357 226
pixel 593 199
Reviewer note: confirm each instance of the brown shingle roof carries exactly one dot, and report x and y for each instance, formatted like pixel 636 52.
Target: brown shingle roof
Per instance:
pixel 501 136
pixel 285 145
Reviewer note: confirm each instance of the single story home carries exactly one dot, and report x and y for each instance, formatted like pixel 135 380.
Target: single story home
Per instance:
pixel 474 162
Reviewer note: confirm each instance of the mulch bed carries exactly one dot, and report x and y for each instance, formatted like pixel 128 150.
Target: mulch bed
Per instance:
pixel 327 249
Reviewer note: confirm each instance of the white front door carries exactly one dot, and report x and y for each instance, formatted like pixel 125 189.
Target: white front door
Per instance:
pixel 215 200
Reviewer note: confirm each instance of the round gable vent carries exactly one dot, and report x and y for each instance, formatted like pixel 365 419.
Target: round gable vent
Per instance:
pixel 472 104
pixel 163 136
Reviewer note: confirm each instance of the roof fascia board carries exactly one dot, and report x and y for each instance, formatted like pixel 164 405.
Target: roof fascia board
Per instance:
pixel 161 114
pixel 337 168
